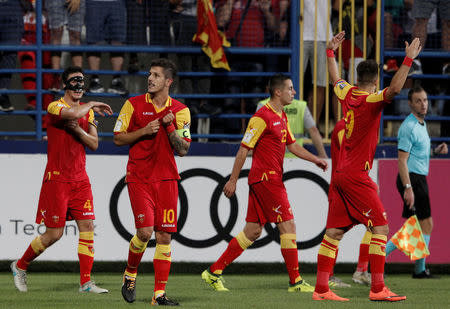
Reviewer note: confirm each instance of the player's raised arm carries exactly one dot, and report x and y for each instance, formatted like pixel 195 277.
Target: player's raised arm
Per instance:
pixel 411 51
pixel 77 112
pixel 332 45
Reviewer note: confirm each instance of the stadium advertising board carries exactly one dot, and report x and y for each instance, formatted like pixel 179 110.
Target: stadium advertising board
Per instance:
pixel 207 220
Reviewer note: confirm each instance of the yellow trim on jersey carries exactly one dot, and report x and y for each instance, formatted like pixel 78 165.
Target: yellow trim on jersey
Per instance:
pixel 341 89
pixel 157 109
pixel 273 110
pixel 376 97
pixel 123 121
pixel 255 128
pixel 92 118
pixel 55 107
pixel 289 130
pixel 183 118
pixel 340 136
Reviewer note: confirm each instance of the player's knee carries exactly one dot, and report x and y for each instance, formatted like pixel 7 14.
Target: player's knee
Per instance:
pixel 336 234
pixel 144 235
pixel 163 238
pixel 381 230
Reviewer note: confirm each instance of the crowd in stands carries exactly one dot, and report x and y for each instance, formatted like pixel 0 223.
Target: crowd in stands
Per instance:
pixel 246 23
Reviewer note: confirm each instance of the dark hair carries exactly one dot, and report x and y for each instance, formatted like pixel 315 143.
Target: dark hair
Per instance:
pixel 169 68
pixel 367 71
pixel 275 82
pixel 415 89
pixel 70 70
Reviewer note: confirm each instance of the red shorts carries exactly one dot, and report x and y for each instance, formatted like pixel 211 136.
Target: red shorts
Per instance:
pixel 155 204
pixel 64 201
pixel 354 199
pixel 268 202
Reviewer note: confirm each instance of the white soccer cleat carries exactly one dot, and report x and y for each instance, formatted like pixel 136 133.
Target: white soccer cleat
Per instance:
pixel 362 278
pixel 90 287
pixel 20 277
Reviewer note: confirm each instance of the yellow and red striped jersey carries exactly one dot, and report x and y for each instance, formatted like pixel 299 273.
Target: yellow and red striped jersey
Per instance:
pixel 66 156
pixel 267 134
pixel 152 158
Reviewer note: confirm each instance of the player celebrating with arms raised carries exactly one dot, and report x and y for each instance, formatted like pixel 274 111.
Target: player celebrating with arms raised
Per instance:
pixel 267 134
pixel 154 125
pixel 66 192
pixel 357 199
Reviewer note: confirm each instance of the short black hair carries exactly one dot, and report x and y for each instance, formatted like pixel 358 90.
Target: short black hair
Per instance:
pixel 367 71
pixel 275 82
pixel 169 67
pixel 415 89
pixel 70 70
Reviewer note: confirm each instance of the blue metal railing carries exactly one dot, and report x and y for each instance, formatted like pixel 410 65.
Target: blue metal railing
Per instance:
pixel 383 76
pixel 39 47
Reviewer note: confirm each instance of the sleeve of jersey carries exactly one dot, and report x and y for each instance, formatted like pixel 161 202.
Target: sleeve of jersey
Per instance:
pixel 123 121
pixel 378 97
pixel 341 88
pixel 290 139
pixel 92 118
pixel 404 139
pixel 183 119
pixel 55 108
pixel 255 129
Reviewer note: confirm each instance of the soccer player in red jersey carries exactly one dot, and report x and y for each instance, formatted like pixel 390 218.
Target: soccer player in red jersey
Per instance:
pixel 357 199
pixel 154 125
pixel 267 134
pixel 66 192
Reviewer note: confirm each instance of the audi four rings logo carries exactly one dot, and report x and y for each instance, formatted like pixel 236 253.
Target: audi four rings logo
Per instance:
pixel 223 231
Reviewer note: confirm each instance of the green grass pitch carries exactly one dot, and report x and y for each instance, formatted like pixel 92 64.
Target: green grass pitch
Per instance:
pixel 60 290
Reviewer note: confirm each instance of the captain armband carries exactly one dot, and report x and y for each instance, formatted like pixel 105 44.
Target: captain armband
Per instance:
pixel 184 133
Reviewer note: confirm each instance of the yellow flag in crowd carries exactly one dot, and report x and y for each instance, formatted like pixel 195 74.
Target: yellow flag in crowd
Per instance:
pixel 211 39
pixel 409 239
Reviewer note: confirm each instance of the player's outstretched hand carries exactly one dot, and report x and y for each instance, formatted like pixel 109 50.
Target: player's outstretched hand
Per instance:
pixel 101 108
pixel 412 50
pixel 442 149
pixel 336 41
pixel 229 188
pixel 71 124
pixel 322 164
pixel 168 119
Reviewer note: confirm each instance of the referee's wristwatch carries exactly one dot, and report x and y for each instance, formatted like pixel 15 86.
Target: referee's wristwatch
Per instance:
pixel 407 186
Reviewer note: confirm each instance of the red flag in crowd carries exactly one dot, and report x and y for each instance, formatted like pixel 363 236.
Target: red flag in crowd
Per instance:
pixel 211 39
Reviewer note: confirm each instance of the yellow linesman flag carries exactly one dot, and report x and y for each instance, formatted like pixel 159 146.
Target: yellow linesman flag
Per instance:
pixel 409 239
pixel 211 39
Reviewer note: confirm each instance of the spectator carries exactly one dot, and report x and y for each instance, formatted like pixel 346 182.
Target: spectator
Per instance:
pixel 137 22
pixel 28 61
pixel 323 26
pixel 61 12
pixel 421 11
pixel 246 23
pixel 106 22
pixel 11 29
pixel 184 27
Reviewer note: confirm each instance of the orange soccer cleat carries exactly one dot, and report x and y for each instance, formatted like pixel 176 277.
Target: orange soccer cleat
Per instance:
pixel 329 295
pixel 385 295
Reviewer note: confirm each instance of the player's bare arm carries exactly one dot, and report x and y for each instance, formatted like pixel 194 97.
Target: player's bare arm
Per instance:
pixel 76 112
pixel 411 51
pixel 335 42
pixel 304 154
pixel 230 186
pixel 317 141
pixel 408 195
pixel 128 138
pixel 180 145
pixel 89 139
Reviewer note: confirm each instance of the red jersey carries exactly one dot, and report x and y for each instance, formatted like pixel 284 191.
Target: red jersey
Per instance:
pixel 267 133
pixel 151 158
pixel 362 122
pixel 66 156
pixel 336 141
